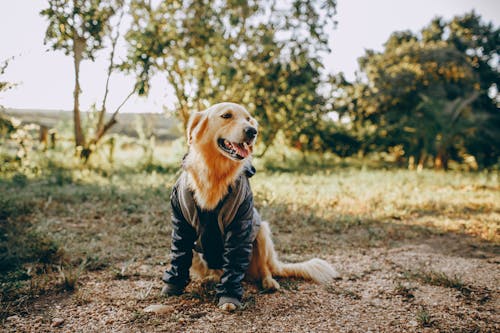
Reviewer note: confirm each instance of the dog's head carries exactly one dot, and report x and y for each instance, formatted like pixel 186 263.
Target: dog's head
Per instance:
pixel 227 128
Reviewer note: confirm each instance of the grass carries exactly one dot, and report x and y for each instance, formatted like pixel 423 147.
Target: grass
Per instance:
pixel 404 291
pixel 343 292
pixel 441 279
pixel 377 207
pixel 468 292
pixel 424 318
pixel 63 221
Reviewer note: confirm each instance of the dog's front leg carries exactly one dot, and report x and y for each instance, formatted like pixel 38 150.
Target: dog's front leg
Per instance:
pixel 183 237
pixel 237 254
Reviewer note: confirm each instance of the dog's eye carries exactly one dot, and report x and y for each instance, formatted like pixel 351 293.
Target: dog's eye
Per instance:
pixel 227 115
pixel 248 118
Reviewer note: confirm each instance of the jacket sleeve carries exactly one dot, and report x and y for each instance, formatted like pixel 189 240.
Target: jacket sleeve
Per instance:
pixel 183 238
pixel 237 251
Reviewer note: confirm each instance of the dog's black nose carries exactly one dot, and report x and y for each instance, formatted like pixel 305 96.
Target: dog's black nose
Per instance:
pixel 250 132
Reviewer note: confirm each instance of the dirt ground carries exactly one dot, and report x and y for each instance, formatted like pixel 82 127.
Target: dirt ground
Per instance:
pixel 417 252
pixel 446 283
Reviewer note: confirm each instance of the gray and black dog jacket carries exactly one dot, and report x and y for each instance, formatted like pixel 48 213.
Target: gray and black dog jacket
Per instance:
pixel 224 235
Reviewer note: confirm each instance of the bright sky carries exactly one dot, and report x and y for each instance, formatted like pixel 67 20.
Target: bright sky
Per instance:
pixel 46 79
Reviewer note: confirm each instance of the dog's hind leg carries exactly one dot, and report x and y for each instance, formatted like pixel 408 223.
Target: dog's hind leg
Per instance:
pixel 262 257
pixel 200 270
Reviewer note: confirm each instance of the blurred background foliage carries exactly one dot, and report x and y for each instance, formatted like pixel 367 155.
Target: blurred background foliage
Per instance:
pixel 429 99
pixel 433 95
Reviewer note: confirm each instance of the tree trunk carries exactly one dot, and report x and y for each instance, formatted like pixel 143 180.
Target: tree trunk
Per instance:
pixel 53 138
pixel 441 160
pixel 411 163
pixel 44 136
pixel 78 45
pixel 421 161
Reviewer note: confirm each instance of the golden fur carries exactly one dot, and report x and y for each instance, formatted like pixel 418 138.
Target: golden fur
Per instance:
pixel 211 170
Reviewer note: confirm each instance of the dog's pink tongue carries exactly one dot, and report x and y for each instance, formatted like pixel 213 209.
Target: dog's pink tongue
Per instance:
pixel 241 151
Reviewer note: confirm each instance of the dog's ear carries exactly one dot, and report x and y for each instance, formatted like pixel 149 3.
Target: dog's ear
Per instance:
pixel 194 120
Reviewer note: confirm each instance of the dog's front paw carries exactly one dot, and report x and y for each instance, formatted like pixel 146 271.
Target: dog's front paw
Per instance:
pixel 171 290
pixel 229 307
pixel 229 304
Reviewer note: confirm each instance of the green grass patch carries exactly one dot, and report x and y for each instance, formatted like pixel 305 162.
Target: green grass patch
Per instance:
pixel 440 279
pixel 424 318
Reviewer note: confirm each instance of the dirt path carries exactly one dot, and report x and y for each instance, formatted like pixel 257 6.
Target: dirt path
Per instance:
pixel 444 284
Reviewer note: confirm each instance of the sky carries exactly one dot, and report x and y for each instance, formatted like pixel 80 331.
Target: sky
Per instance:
pixel 45 79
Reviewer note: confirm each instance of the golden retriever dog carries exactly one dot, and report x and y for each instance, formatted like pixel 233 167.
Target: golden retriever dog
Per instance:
pixel 221 141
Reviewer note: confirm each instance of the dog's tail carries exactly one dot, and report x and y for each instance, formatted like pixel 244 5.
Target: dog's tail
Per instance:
pixel 317 270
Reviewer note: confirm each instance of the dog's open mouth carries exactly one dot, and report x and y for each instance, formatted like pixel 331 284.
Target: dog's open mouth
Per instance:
pixel 237 151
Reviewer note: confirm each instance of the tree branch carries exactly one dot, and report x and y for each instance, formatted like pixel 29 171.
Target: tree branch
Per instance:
pixel 114 41
pixel 100 133
pixel 463 104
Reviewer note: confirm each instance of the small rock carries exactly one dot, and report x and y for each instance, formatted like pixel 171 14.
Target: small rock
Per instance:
pixel 56 322
pixel 214 318
pixel 159 308
pixel 144 269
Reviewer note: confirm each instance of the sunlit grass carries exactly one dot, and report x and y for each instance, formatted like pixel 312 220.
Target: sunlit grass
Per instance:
pixel 335 201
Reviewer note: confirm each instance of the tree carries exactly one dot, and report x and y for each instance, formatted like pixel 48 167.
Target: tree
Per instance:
pixel 5 85
pixel 80 28
pixel 6 124
pixel 102 126
pixel 434 93
pixel 261 54
pixel 481 43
